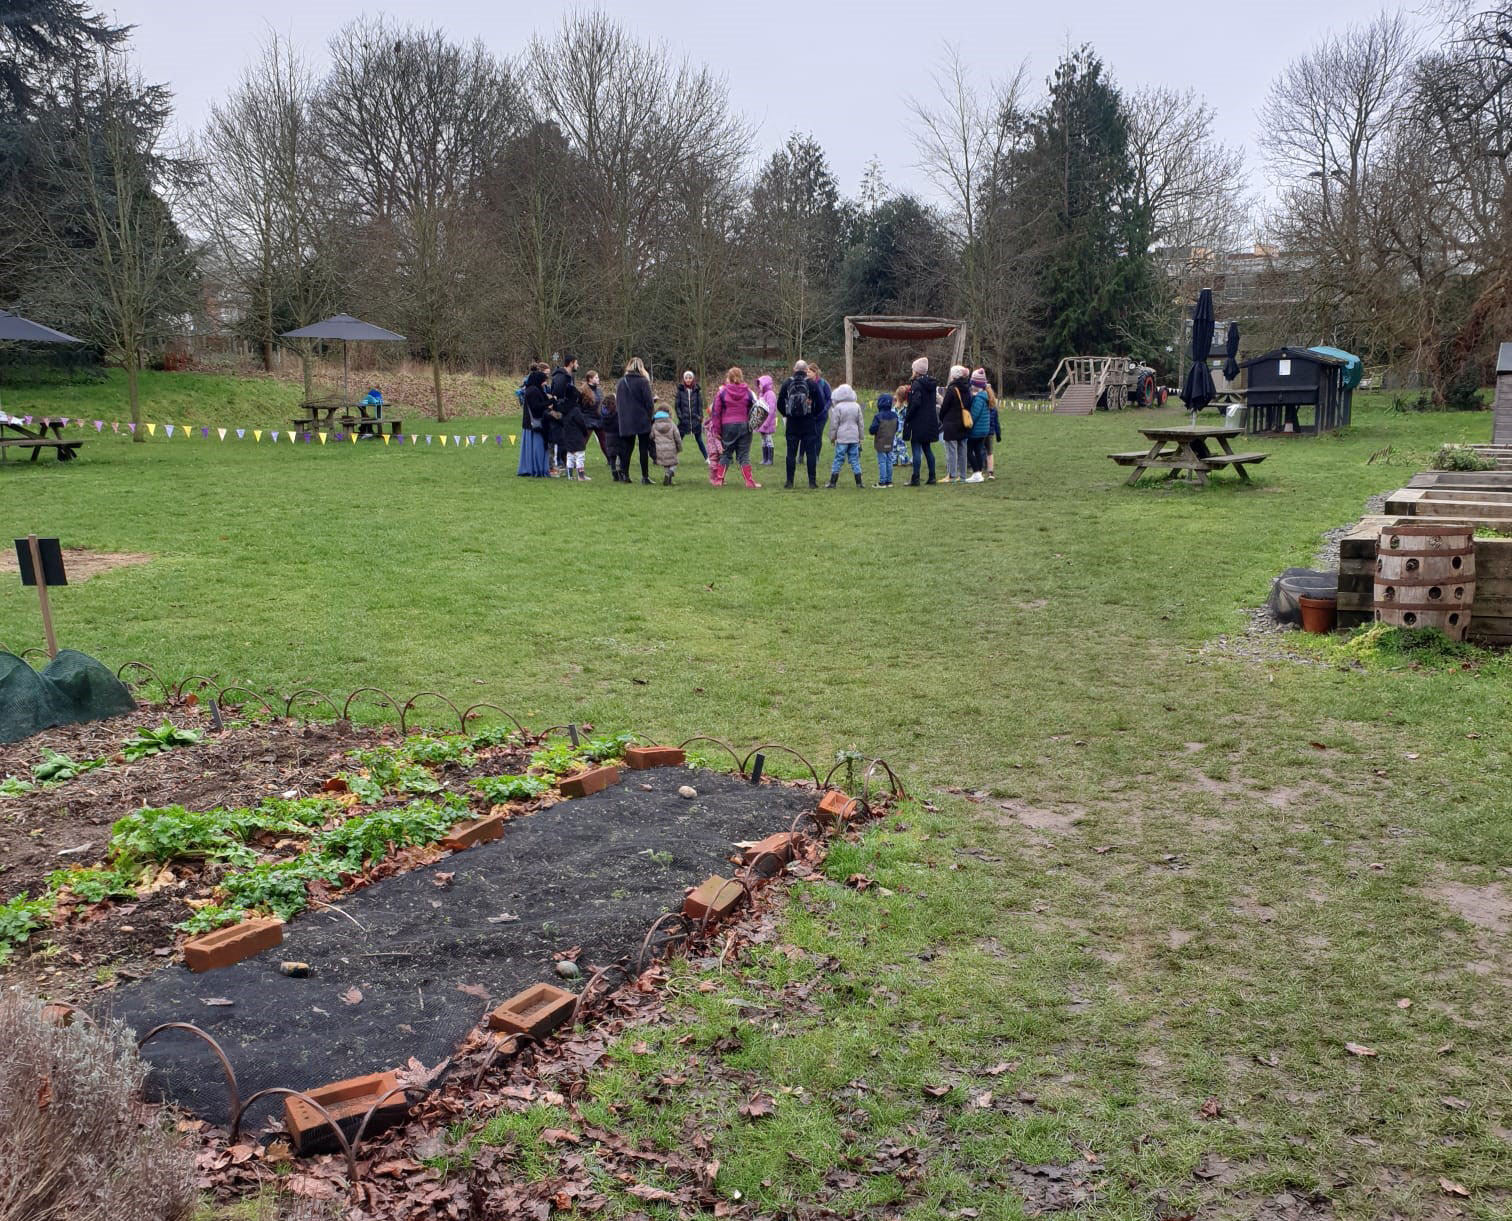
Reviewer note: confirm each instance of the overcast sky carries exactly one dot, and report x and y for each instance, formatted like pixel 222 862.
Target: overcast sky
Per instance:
pixel 843 71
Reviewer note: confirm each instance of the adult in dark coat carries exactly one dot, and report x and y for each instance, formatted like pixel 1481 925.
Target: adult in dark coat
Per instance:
pixel 799 405
pixel 601 421
pixel 563 392
pixel 824 397
pixel 921 424
pixel 955 423
pixel 533 459
pixel 690 411
pixel 634 403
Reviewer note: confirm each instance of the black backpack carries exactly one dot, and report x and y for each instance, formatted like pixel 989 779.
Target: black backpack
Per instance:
pixel 798 402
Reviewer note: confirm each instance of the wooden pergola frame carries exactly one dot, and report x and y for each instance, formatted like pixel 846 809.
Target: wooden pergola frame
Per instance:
pixel 902 328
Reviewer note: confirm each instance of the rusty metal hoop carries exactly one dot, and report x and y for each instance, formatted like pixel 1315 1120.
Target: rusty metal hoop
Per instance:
pixel 814 818
pixel 289 702
pixel 703 924
pixel 897 785
pixel 346 1145
pixel 703 737
pixel 220 699
pixel 201 681
pixel 766 746
pixel 750 869
pixel 347 706
pixel 233 1091
pixel 641 961
pixel 508 716
pixel 373 1110
pixel 577 1008
pixel 517 1043
pixel 148 670
pixel 420 695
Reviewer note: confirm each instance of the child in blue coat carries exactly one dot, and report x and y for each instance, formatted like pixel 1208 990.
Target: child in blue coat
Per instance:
pixel 884 427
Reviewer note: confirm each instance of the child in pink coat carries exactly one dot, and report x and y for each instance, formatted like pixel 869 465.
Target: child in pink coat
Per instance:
pixel 769 425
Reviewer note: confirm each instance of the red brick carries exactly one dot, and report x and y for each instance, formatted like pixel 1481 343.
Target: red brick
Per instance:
pixel 780 845
pixel 835 805
pixel 536 1011
pixel 717 896
pixel 347 1102
pixel 228 945
pixel 589 782
pixel 480 831
pixel 640 757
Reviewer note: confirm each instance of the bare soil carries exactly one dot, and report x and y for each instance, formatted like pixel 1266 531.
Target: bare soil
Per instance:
pixel 79 563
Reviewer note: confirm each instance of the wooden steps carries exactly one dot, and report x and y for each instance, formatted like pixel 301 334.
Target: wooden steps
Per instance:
pixel 1077 399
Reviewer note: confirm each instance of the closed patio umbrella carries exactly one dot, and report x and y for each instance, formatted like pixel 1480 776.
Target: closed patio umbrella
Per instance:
pixel 1197 390
pixel 24 330
pixel 1231 350
pixel 347 329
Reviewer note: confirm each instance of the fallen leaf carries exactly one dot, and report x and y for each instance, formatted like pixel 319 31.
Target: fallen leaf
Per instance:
pixel 1359 1049
pixel 982 1101
pixel 560 1136
pixel 477 990
pixel 642 1048
pixel 503 918
pixel 642 1191
pixel 352 996
pixel 997 1070
pixel 1104 849
pixel 1320 746
pixel 1411 754
pixel 1446 1049
pixel 1404 1003
pixel 217 1002
pixel 1451 1188
pixel 937 1091
pixel 44 1094
pixel 1211 1108
pixel 1270 1061
pixel 759 1106
pixel 442 879
pixel 858 881
pixel 1454 1104
pixel 278 1151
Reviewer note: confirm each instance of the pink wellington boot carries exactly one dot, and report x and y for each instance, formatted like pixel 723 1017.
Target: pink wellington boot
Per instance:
pixel 745 473
pixel 717 478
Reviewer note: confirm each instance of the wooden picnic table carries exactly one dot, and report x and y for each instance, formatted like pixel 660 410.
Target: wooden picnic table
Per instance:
pixel 1184 451
pixel 16 435
pixel 323 413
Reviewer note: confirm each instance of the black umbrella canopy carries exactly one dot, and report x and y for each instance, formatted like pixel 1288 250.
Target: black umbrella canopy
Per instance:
pixel 13 326
pixel 1231 350
pixel 1197 391
pixel 347 329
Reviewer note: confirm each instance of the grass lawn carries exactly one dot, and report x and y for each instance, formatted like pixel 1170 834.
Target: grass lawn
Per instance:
pixel 1145 873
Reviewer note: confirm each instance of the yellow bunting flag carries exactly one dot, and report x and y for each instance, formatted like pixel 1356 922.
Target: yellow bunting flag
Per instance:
pixel 290 435
pixel 152 430
pixel 385 438
pixel 256 435
pixel 511 438
pixel 222 432
pixel 352 437
pixel 322 438
pixel 443 439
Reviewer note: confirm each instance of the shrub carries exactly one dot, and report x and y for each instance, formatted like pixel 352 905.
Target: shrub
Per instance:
pixel 1461 458
pixel 70 1113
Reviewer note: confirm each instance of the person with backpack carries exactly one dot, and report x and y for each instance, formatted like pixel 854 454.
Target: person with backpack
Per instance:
pixel 921 426
pixel 955 423
pixel 690 411
pixel 730 418
pixel 796 405
pixel 846 428
pixel 981 426
pixel 884 430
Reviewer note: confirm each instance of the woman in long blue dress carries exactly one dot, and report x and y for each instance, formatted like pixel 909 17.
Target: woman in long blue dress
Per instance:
pixel 534 462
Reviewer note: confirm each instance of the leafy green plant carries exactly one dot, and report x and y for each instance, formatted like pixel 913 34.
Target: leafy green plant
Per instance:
pixel 155 741
pixel 494 735
pixel 277 886
pixel 56 768
pixel 602 749
pixel 170 833
pixel 94 885
pixel 392 772
pixel 211 917
pixel 19 918
pixel 559 759
pixel 496 789
pixel 449 749
pixel 1461 458
pixel 14 786
pixel 368 838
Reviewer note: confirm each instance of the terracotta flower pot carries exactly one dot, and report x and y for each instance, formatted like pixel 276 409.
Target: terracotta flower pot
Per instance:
pixel 1318 614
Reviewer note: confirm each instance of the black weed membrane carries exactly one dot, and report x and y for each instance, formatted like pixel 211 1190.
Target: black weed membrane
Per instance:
pixel 406 967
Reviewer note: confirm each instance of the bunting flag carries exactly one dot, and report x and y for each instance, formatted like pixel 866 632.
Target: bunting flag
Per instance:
pixel 99 425
pixel 275 435
pixel 65 421
pixel 511 438
pixel 443 440
pixel 222 433
pixel 290 435
pixel 352 437
pixel 322 438
pixel 168 428
pixel 205 432
pixel 386 438
pixel 456 440
pixel 256 434
pixel 427 438
pixel 151 429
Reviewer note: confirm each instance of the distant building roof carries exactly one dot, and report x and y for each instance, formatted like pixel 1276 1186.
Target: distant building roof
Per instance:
pixel 1504 358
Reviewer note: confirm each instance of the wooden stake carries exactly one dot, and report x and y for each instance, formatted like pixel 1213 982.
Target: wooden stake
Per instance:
pixel 47 627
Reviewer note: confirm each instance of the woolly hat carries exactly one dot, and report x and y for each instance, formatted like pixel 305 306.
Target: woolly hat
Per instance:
pixel 688 375
pixel 978 377
pixel 921 366
pixel 957 372
pixel 884 402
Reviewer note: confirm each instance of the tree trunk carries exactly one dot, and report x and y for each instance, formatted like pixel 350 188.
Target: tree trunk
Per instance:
pixel 267 355
pixel 436 383
pixel 307 370
pixel 137 435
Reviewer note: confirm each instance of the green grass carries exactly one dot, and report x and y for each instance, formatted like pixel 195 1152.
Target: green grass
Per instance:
pixel 1232 859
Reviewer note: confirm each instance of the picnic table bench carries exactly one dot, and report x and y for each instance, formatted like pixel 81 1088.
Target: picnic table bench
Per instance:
pixel 16 435
pixel 354 417
pixel 1184 451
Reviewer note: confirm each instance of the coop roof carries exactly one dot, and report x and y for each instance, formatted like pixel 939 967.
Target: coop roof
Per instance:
pixel 905 328
pixel 1504 358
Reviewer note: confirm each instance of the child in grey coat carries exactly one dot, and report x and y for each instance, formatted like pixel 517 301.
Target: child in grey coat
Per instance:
pixel 847 425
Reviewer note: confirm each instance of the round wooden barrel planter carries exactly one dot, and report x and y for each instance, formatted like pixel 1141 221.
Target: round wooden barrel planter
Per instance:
pixel 1425 577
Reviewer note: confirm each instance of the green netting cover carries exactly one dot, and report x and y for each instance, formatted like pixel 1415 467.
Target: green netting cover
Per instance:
pixel 74 687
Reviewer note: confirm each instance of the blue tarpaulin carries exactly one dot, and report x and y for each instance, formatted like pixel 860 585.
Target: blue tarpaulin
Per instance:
pixel 1354 367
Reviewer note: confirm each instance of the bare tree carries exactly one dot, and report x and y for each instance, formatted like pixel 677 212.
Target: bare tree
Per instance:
pixel 412 124
pixel 636 117
pixel 116 263
pixel 266 206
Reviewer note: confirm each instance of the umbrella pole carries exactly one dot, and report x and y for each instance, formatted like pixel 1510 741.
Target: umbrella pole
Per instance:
pixel 345 365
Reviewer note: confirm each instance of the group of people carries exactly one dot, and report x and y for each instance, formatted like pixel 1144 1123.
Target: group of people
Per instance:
pixel 560 416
